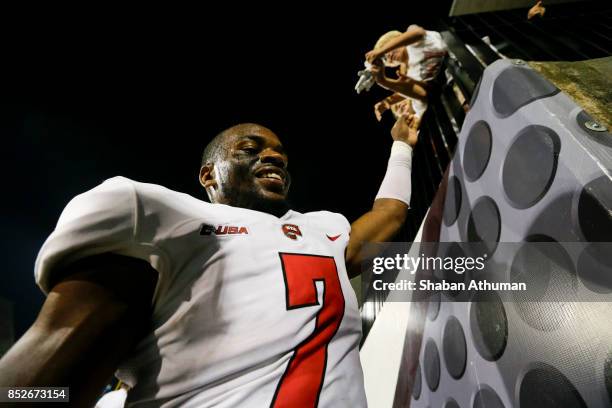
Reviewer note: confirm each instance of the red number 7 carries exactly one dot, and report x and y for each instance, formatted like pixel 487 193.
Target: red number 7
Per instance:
pixel 301 383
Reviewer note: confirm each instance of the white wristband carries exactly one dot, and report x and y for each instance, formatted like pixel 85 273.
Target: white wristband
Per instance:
pixel 397 182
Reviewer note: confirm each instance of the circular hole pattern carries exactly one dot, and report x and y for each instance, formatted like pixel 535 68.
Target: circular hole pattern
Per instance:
pixel 547 270
pixel 452 206
pixel 594 210
pixel 530 165
pixel 451 403
pixel 484 226
pixel 454 251
pixel 434 306
pixel 477 151
pixel 515 87
pixel 454 348
pixel 416 387
pixel 489 325
pixel 487 398
pixel 432 365
pixel 595 267
pixel 546 387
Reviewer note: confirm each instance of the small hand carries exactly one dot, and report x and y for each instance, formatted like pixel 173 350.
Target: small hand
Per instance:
pixel 406 129
pixel 380 108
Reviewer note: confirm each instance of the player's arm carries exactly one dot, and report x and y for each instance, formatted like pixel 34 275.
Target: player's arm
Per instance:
pixel 412 35
pixel 90 321
pixel 390 208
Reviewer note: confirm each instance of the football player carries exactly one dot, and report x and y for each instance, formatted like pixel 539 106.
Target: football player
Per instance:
pixel 240 302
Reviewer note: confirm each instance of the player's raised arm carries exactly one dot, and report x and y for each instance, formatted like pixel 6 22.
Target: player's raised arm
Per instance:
pixel 90 320
pixel 390 207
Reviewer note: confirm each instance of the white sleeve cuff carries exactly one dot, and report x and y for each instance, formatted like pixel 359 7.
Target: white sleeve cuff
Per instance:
pixel 397 182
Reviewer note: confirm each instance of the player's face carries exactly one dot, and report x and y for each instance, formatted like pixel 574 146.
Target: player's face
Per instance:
pixel 254 172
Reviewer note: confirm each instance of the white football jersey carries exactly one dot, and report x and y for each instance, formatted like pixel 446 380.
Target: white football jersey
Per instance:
pixel 250 310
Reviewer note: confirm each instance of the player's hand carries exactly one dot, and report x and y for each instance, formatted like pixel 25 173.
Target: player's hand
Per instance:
pixel 406 129
pixel 372 56
pixel 380 108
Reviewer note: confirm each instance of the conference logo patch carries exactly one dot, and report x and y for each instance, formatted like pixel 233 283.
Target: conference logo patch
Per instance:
pixel 207 229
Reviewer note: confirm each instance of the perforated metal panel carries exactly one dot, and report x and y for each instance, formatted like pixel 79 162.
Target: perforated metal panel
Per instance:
pixel 526 169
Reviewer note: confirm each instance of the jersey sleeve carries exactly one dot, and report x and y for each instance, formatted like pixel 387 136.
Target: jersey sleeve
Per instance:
pixel 98 221
pixel 344 223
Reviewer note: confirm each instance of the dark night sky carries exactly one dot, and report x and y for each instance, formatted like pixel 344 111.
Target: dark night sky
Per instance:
pixel 141 95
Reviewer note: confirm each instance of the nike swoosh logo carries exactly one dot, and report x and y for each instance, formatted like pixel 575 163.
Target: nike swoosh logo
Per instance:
pixel 333 238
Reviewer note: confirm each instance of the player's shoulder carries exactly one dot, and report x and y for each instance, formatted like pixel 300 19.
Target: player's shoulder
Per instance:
pixel 113 198
pixel 112 186
pixel 121 194
pixel 327 218
pixel 151 193
pixel 149 190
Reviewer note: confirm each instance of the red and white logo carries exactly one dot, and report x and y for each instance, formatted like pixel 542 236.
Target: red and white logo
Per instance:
pixel 333 237
pixel 207 229
pixel 292 231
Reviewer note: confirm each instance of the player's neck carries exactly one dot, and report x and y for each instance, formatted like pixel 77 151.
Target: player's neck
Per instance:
pixel 277 208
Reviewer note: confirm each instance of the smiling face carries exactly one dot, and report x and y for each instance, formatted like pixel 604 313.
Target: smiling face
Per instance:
pixel 246 166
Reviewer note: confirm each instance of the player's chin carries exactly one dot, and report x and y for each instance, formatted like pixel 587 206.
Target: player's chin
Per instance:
pixel 272 189
pixel 272 195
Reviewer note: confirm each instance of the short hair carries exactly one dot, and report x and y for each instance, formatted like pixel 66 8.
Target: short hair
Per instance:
pixel 386 37
pixel 213 148
pixel 216 147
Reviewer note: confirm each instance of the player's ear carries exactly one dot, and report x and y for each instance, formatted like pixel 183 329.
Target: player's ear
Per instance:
pixel 207 178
